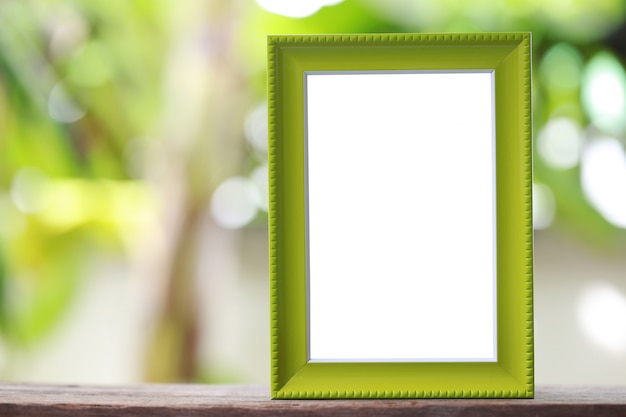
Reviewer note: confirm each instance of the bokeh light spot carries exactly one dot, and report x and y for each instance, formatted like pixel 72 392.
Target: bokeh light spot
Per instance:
pixel 604 93
pixel 62 107
pixel 28 189
pixel 260 180
pixel 90 66
pixel 544 206
pixel 68 31
pixel 602 316
pixel 67 204
pixel 234 202
pixel 256 127
pixel 603 178
pixel 559 143
pixel 561 68
pixel 299 8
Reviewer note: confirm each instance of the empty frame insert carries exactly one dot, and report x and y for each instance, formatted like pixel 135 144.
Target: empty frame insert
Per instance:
pixel 400 216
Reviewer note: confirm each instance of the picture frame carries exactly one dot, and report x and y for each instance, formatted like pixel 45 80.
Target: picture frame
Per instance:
pixel 322 311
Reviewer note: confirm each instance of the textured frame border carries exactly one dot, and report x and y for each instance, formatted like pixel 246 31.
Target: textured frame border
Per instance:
pixel 292 376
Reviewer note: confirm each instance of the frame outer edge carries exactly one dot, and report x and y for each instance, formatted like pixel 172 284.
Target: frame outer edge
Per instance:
pixel 403 38
pixel 272 213
pixel 526 46
pixel 522 40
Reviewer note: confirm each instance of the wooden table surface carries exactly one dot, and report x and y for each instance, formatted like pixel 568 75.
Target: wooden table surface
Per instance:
pixel 215 400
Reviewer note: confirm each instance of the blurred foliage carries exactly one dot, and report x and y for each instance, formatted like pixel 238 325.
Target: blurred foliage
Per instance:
pixel 117 117
pixel 78 87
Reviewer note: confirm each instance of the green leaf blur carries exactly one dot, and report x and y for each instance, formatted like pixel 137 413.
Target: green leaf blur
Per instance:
pixel 120 119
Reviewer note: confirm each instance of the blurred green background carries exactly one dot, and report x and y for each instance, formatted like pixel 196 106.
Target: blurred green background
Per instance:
pixel 133 242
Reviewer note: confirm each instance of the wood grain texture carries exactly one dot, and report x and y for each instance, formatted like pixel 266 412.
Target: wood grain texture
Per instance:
pixel 211 400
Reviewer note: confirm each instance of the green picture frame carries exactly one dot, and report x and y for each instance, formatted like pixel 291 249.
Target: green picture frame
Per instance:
pixel 293 374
